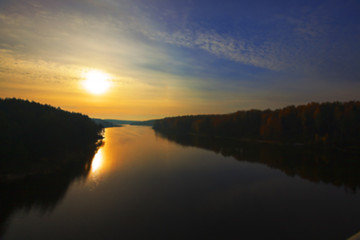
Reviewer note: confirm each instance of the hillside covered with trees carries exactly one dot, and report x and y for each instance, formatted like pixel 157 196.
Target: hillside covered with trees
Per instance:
pixel 35 137
pixel 326 123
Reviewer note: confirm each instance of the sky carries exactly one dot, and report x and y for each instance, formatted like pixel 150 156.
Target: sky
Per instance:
pixel 179 57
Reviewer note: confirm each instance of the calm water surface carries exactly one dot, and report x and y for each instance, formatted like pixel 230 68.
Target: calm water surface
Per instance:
pixel 143 186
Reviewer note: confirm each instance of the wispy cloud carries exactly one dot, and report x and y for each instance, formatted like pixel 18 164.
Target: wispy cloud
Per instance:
pixel 304 41
pixel 266 55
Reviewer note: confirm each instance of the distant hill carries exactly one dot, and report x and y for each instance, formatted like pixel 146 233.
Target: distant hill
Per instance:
pixel 38 137
pixel 326 123
pixel 106 123
pixel 116 122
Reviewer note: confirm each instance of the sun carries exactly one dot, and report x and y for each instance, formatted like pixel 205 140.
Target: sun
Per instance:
pixel 96 82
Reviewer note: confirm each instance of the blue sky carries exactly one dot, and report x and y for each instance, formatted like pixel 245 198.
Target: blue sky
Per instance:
pixel 180 57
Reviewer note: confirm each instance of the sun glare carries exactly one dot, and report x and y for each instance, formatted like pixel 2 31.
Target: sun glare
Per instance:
pixel 96 82
pixel 97 161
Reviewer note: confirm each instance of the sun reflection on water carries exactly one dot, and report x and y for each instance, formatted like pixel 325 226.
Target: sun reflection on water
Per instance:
pixel 103 162
pixel 96 169
pixel 97 161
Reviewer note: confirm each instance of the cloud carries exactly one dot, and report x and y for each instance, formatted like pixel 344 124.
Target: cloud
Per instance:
pixel 239 49
pixel 36 72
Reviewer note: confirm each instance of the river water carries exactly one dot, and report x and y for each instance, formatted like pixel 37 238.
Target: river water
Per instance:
pixel 144 186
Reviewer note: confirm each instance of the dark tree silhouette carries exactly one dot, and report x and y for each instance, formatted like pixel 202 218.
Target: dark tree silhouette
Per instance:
pixel 34 136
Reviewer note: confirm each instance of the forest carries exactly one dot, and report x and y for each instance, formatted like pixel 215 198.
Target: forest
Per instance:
pixel 334 123
pixel 36 137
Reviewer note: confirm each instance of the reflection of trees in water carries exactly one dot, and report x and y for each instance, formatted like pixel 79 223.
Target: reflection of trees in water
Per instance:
pixel 43 188
pixel 329 166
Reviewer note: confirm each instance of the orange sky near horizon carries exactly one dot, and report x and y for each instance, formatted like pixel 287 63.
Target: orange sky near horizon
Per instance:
pixel 127 98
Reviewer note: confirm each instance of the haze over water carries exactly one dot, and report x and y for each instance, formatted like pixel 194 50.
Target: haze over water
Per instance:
pixel 143 186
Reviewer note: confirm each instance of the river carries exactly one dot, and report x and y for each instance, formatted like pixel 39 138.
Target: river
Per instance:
pixel 142 185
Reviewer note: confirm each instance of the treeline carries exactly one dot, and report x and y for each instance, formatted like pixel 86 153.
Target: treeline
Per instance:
pixel 326 123
pixel 34 134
